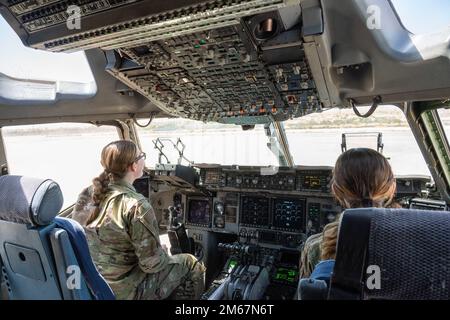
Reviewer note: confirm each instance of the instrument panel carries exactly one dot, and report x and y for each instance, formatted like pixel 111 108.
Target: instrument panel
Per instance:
pixel 301 179
pixel 269 207
pixel 260 213
pixel 263 220
pixel 278 207
pixel 275 208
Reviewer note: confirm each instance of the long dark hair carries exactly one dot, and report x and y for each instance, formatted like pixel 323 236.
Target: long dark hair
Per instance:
pixel 363 177
pixel 116 157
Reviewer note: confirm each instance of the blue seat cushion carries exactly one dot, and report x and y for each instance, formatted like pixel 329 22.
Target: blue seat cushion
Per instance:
pixel 323 270
pixel 97 284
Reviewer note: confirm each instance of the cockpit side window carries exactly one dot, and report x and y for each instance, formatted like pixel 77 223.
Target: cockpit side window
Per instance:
pixel 423 17
pixel 68 153
pixel 30 76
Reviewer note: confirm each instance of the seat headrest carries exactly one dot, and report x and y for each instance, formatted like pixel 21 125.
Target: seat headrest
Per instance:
pixel 406 250
pixel 29 200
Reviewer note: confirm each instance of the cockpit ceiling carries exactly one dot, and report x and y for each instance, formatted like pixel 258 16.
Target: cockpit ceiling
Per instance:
pixel 233 61
pixel 242 61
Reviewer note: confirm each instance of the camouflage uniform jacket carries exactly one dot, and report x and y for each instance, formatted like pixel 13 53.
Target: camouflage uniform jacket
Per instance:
pixel 84 206
pixel 312 250
pixel 124 241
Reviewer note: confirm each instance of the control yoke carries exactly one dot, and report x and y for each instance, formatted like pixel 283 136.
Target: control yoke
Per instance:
pixel 179 240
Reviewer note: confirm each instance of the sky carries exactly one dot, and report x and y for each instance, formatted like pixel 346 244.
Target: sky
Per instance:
pixel 423 16
pixel 418 16
pixel 18 61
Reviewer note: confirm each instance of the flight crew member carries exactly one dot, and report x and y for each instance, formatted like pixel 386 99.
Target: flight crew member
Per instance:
pixel 123 235
pixel 362 177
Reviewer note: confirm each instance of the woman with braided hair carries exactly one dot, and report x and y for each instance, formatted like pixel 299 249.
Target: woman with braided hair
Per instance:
pixel 123 234
pixel 362 178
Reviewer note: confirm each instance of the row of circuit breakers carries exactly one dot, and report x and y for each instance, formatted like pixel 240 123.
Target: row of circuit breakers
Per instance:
pixel 228 61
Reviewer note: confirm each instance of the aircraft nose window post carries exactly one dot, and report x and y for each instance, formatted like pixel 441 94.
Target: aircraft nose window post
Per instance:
pixel 224 158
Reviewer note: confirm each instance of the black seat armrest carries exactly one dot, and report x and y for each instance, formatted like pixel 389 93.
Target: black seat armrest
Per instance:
pixel 312 289
pixel 351 255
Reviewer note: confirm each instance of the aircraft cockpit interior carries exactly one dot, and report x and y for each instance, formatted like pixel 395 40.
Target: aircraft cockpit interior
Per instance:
pixel 249 224
pixel 251 64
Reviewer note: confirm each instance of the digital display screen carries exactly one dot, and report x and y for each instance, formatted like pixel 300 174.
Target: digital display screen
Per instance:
pixel 312 182
pixel 289 214
pixel 231 265
pixel 255 211
pixel 212 177
pixel 286 275
pixel 199 211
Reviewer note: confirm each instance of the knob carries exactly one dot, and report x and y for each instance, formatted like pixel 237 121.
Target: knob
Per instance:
pixel 219 208
pixel 219 222
pixel 210 54
pixel 279 72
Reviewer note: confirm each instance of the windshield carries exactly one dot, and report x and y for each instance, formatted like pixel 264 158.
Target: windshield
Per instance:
pixel 316 139
pixel 206 143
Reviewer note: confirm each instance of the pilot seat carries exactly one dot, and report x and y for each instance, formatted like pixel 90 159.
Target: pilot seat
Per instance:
pixel 387 254
pixel 43 257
